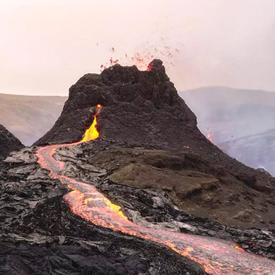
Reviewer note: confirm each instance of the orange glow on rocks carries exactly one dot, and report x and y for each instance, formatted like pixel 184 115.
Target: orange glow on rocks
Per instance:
pixel 210 135
pixel 237 247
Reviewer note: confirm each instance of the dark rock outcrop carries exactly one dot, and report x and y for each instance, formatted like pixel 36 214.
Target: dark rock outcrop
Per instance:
pixel 8 142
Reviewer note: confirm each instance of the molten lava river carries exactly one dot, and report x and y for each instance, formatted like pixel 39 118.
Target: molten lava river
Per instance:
pixel 84 200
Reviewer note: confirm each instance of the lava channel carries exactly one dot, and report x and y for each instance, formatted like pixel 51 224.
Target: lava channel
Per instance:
pixel 84 200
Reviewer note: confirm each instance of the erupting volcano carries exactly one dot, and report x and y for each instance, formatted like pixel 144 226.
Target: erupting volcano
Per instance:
pixel 125 183
pixel 85 201
pixel 116 177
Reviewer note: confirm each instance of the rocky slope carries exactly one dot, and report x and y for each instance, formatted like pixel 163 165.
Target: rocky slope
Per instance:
pixel 239 121
pixel 8 142
pixel 255 150
pixel 40 235
pixel 231 113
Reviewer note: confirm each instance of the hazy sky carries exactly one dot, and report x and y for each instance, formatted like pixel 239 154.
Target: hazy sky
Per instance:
pixel 46 45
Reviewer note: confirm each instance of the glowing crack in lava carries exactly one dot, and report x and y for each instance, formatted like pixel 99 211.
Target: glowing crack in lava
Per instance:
pixel 84 200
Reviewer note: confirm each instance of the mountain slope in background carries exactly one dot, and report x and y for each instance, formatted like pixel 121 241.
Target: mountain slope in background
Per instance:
pixel 255 150
pixel 240 122
pixel 29 117
pixel 8 142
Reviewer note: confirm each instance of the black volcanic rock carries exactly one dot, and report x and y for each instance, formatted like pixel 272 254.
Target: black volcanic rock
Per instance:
pixel 142 108
pixel 8 142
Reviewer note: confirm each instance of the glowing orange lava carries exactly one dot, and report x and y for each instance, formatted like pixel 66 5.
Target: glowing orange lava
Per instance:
pixel 215 256
pixel 92 133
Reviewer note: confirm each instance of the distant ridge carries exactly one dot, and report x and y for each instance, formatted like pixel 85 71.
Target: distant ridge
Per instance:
pixel 240 121
pixel 29 117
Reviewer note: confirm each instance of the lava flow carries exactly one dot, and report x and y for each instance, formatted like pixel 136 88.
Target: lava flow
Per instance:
pixel 84 200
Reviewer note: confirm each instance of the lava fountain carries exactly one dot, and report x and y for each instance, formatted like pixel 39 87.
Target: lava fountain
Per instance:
pixel 84 200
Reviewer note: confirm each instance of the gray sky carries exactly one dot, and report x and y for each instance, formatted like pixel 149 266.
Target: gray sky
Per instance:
pixel 46 45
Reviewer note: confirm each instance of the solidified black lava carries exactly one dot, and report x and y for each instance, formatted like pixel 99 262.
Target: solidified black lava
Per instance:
pixel 39 234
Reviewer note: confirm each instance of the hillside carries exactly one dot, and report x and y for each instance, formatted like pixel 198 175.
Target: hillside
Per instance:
pixel 29 117
pixel 254 150
pixel 232 118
